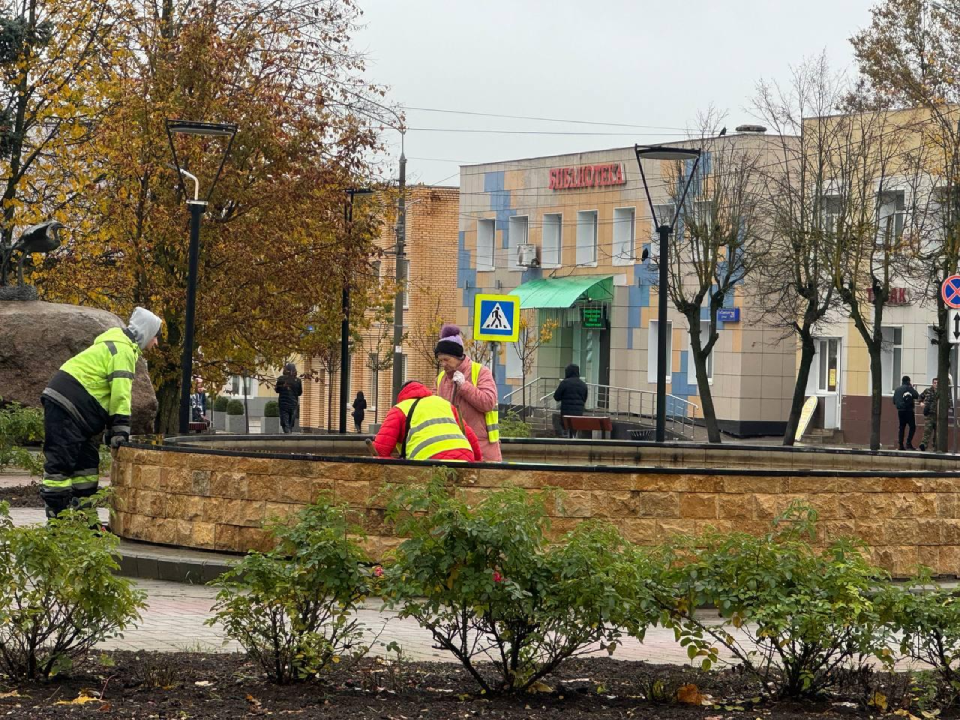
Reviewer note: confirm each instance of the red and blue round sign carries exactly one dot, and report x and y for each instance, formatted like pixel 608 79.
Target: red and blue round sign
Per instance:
pixel 950 291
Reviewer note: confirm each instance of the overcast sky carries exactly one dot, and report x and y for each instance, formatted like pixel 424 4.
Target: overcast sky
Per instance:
pixel 651 63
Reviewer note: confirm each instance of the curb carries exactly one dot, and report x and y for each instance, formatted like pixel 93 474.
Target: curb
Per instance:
pixel 155 562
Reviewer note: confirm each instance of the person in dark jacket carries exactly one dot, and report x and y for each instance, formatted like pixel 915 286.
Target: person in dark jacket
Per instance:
pixel 904 398
pixel 571 393
pixel 89 396
pixel 289 388
pixel 359 407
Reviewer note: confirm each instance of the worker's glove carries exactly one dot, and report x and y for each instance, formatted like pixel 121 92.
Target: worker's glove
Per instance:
pixel 116 438
pixel 458 377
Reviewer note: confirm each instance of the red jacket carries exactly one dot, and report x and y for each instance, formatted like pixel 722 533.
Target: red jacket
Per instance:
pixel 394 424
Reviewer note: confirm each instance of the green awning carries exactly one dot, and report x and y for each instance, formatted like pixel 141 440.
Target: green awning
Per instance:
pixel 563 292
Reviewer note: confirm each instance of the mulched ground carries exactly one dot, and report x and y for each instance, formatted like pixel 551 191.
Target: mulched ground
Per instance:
pixel 22 496
pixel 196 685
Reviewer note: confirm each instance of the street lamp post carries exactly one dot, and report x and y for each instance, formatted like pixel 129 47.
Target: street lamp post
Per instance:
pixel 345 309
pixel 664 230
pixel 197 208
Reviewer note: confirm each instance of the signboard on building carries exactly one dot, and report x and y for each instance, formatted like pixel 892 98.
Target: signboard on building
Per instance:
pixel 729 315
pixel 591 318
pixel 587 176
pixel 898 296
pixel 496 318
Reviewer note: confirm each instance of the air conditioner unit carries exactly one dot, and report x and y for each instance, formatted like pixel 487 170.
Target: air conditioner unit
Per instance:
pixel 527 256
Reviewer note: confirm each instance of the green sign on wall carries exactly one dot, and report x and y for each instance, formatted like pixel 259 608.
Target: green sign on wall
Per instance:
pixel 592 318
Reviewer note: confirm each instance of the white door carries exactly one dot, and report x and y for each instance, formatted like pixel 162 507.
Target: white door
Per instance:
pixel 829 380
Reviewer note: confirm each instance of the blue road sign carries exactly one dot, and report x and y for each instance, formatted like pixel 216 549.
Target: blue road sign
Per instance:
pixel 951 291
pixel 496 318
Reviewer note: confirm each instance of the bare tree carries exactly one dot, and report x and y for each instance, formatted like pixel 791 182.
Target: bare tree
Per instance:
pixel 715 244
pixel 529 340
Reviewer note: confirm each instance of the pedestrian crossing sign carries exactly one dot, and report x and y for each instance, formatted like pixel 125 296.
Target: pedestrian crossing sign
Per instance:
pixel 496 318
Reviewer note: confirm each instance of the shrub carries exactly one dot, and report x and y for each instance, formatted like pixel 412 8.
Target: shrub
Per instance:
pixel 220 403
pixel 799 614
pixel 488 587
pixel 20 426
pixel 514 427
pixel 59 595
pixel 928 623
pixel 271 409
pixel 235 407
pixel 290 608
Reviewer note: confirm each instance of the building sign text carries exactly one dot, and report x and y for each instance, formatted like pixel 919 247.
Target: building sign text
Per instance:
pixel 587 176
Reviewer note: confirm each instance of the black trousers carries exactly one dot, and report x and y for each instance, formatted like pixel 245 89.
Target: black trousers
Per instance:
pixel 907 420
pixel 288 418
pixel 71 460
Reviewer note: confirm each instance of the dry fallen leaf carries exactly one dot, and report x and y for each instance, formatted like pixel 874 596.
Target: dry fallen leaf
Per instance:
pixel 879 701
pixel 689 695
pixel 12 693
pixel 905 713
pixel 203 683
pixel 539 687
pixel 79 700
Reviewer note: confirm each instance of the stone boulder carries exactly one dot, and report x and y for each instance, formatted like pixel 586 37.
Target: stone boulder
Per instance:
pixel 36 338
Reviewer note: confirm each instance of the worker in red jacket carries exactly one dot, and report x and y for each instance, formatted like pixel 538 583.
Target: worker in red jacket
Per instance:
pixel 422 426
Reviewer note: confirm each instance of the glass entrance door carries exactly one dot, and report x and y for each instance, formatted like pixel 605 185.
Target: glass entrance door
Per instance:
pixel 829 380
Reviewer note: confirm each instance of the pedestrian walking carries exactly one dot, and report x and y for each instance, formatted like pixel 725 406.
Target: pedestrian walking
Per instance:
pixel 289 388
pixel 931 403
pixel 571 393
pixel 904 398
pixel 422 426
pixel 470 388
pixel 90 396
pixel 359 408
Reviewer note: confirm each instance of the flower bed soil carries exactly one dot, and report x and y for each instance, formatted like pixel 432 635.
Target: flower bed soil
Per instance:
pixel 22 496
pixel 196 685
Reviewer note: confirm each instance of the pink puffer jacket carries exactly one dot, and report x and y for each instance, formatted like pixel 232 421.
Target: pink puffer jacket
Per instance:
pixel 473 402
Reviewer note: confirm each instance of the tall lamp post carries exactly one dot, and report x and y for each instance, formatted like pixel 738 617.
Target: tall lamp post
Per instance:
pixel 345 309
pixel 197 207
pixel 664 230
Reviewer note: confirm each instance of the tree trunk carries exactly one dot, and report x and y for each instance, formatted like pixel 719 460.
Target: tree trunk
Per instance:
pixel 807 352
pixel 876 392
pixel 703 382
pixel 329 401
pixel 167 421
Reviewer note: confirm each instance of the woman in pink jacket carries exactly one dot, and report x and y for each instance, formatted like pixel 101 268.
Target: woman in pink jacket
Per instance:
pixel 473 400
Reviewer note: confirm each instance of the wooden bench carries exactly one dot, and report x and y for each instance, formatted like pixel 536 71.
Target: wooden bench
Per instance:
pixel 199 427
pixel 577 423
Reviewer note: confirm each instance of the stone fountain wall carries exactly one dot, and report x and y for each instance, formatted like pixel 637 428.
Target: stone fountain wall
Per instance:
pixel 212 500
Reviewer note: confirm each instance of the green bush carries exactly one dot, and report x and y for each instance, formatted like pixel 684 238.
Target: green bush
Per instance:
pixel 794 616
pixel 513 427
pixel 489 588
pixel 20 426
pixel 271 409
pixel 290 608
pixel 59 595
pixel 220 403
pixel 235 407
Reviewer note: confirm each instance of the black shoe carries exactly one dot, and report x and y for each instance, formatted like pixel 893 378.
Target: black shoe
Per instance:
pixel 922 447
pixel 910 447
pixel 900 447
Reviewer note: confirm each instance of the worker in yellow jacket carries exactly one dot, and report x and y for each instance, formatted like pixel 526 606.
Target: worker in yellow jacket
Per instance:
pixel 89 397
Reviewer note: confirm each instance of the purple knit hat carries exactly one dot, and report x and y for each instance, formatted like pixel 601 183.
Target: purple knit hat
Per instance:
pixel 451 342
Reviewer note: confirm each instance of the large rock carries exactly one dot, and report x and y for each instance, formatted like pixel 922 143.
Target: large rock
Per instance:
pixel 36 338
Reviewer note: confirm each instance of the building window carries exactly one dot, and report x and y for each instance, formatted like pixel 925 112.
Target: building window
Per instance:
pixel 241 386
pixel 890 216
pixel 403 361
pixel 376 269
pixel 587 237
pixel 517 226
pixel 514 366
pixel 832 208
pixel 486 229
pixel 552 241
pixel 624 225
pixel 891 358
pixel 704 338
pixel 828 352
pixel 652 351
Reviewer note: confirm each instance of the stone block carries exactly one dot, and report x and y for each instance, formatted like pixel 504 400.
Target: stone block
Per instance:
pixel 576 503
pixel 900 485
pixel 150 503
pixel 560 527
pixel 912 505
pixel 752 484
pixel 667 529
pixel 200 482
pixel 251 538
pixel 353 493
pixel 176 480
pixel 832 530
pixel 246 513
pixel 902 532
pixel 949 560
pixel 658 482
pixel 255 466
pixel 928 531
pixel 658 504
pixel 293 490
pixel 276 512
pixel 162 531
pixel 228 485
pixel 950 532
pixel 123 499
pixel 929 556
pixel 736 507
pixel 185 507
pixel 202 535
pixel 906 561
pixel 227 537
pixel 117 522
pixel 146 478
pixel 700 506
pixel 859 506
pixel 948 505
pixel 625 504
pixel 720 526
pixel 602 481
pixel 872 532
pixel 810 485
pixel 639 531
pixel 847 484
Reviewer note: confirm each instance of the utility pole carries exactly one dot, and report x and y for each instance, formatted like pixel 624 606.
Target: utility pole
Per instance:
pixel 401 279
